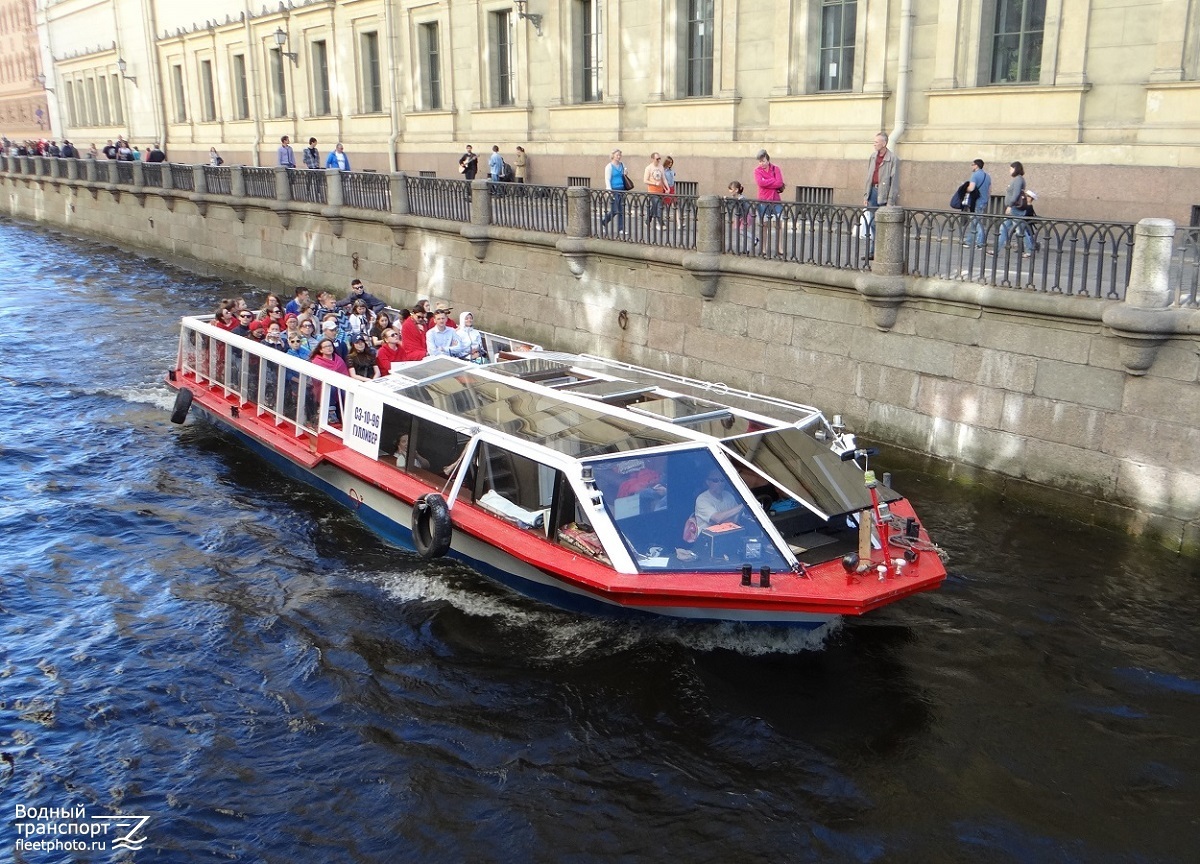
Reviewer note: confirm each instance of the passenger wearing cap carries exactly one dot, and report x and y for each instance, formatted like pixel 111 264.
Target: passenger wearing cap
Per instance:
pixel 330 331
pixel 361 359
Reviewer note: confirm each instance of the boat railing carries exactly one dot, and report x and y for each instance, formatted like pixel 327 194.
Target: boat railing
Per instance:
pixel 297 394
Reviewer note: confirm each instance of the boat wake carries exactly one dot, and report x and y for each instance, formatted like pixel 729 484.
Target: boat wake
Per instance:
pixel 551 634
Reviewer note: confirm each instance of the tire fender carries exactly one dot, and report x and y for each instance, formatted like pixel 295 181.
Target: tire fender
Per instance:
pixel 431 526
pixel 183 404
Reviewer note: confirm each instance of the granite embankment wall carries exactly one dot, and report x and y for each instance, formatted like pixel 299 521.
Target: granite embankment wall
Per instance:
pixel 1090 405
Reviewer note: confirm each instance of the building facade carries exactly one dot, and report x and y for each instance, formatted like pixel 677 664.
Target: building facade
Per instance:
pixel 1100 99
pixel 24 111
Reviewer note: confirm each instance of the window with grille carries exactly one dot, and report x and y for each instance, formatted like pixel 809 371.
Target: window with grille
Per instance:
pixel 1017 41
pixel 698 78
pixel 838 18
pixel 431 66
pixel 814 194
pixel 319 54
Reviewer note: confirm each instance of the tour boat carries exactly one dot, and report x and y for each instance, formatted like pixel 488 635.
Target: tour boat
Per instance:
pixel 586 483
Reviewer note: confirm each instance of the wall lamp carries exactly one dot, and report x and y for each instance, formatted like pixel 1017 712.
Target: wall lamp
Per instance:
pixel 121 67
pixel 41 79
pixel 281 40
pixel 534 18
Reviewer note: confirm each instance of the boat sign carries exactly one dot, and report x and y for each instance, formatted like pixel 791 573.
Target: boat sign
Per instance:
pixel 365 414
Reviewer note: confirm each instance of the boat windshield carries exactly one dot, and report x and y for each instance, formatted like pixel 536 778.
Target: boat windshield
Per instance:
pixel 679 511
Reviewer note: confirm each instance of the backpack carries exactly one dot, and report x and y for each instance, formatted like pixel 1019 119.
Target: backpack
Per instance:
pixel 506 173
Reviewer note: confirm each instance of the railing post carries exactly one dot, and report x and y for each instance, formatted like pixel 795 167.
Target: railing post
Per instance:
pixel 199 194
pixel 884 287
pixel 574 246
pixel 705 263
pixel 398 218
pixel 476 231
pixel 72 169
pixel 283 196
pixel 1144 319
pixel 139 175
pixel 333 201
pixel 237 191
pixel 112 175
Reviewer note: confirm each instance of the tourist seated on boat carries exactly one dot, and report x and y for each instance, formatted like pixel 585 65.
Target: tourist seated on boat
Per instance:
pixel 274 315
pixel 243 319
pixel 358 292
pixel 359 320
pixel 225 316
pixel 274 337
pixel 298 347
pixel 299 298
pixel 402 455
pixel 389 352
pixel 271 301
pixel 330 331
pixel 308 332
pixel 361 359
pixel 326 357
pixel 383 321
pixel 471 339
pixel 441 340
pixel 412 335
pixel 443 306
pixel 716 504
pixel 326 307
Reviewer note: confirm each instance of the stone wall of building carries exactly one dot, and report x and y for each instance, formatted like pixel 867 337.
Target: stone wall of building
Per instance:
pixel 1030 393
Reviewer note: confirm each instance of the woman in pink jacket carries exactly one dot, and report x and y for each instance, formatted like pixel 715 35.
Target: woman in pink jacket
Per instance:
pixel 769 180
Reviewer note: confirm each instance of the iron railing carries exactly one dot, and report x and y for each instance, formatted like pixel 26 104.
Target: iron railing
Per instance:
pixel 217 180
pixel 306 184
pixel 1082 259
pixel 668 221
pixel 125 173
pixel 534 208
pixel 1185 267
pixel 440 199
pixel 260 182
pixel 367 191
pixel 182 177
pixel 820 234
pixel 152 174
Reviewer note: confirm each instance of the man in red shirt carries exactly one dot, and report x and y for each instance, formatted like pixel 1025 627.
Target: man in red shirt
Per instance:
pixel 883 184
pixel 412 334
pixel 389 352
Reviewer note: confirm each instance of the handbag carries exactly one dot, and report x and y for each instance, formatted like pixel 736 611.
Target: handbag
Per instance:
pixel 626 182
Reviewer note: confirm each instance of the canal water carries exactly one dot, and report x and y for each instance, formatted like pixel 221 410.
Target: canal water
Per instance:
pixel 188 636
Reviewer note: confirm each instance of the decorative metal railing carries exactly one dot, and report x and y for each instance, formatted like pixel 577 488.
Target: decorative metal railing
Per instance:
pixel 306 185
pixel 1082 259
pixel 125 173
pixel 534 208
pixel 217 180
pixel 151 174
pixel 1185 267
pixel 668 221
pixel 820 234
pixel 440 199
pixel 260 182
pixel 182 177
pixel 367 191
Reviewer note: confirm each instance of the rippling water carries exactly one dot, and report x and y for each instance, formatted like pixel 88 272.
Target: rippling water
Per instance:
pixel 189 636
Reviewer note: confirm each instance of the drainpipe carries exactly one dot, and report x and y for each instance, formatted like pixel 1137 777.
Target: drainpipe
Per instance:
pixel 903 71
pixel 392 61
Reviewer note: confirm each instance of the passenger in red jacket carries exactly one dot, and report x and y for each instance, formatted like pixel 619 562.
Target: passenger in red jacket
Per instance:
pixel 413 336
pixel 389 352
